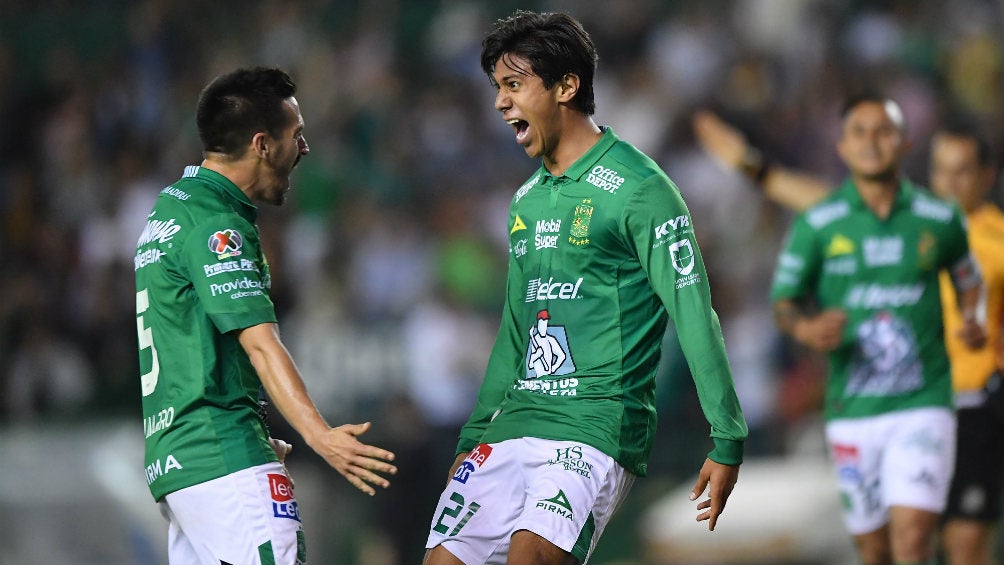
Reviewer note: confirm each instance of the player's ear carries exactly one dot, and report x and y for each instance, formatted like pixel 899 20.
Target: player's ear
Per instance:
pixel 568 87
pixel 259 144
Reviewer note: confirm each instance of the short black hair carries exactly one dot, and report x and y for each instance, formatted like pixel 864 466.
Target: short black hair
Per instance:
pixel 237 105
pixel 966 128
pixel 872 97
pixel 555 44
pixel 859 98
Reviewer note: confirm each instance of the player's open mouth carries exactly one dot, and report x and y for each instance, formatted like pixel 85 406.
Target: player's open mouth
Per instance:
pixel 521 127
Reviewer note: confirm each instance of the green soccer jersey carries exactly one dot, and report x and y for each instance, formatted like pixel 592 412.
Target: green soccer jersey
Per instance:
pixel 884 275
pixel 597 257
pixel 200 275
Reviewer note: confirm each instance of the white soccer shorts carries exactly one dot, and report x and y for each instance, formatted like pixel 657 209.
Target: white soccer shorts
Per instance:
pixel 249 517
pixel 904 458
pixel 563 491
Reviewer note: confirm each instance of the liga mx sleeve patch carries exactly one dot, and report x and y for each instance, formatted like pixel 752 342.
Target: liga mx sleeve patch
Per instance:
pixel 226 243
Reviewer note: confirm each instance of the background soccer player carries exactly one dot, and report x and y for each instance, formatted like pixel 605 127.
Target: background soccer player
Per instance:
pixel 857 279
pixel 962 169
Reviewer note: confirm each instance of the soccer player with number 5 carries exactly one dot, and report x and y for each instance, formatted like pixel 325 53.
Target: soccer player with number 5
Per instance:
pixel 209 342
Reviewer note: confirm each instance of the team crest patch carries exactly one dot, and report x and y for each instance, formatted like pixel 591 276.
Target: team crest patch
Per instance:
pixel 682 253
pixel 226 243
pixel 578 234
pixel 927 250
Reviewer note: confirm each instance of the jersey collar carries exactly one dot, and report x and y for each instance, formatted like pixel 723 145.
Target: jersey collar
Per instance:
pixel 583 164
pixel 903 196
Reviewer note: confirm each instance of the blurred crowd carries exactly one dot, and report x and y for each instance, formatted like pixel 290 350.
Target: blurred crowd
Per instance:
pixel 388 261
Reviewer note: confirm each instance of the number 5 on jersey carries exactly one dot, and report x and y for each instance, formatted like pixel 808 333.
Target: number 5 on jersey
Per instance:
pixel 148 381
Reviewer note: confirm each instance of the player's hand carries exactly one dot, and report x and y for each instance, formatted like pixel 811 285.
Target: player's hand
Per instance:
pixel 357 462
pixel 719 479
pixel 456 465
pixel 972 334
pixel 822 332
pixel 722 141
pixel 281 448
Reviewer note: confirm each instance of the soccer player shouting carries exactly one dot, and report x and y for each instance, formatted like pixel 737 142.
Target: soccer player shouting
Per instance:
pixel 603 254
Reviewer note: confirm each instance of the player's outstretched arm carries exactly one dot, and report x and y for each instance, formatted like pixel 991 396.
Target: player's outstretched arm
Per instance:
pixel 359 463
pixel 719 480
pixel 792 189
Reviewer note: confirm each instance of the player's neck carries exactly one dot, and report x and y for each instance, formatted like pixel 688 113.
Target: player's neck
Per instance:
pixel 242 172
pixel 972 209
pixel 578 135
pixel 879 195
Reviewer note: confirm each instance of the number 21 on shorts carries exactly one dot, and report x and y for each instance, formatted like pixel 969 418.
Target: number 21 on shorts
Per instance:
pixel 454 512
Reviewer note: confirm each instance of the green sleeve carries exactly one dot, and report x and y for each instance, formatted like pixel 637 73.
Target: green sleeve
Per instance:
pixel 658 225
pixel 232 285
pixel 503 368
pixel 798 265
pixel 960 236
pixel 962 267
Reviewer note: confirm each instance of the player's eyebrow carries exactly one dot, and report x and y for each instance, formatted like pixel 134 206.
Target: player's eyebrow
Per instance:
pixel 508 78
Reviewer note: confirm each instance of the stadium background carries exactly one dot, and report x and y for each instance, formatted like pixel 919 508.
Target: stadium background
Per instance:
pixel 389 258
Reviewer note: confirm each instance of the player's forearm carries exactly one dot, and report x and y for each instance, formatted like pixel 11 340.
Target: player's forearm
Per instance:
pixel 794 190
pixel 720 405
pixel 506 355
pixel 787 316
pixel 282 380
pixel 972 304
pixel 490 396
pixel 704 348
